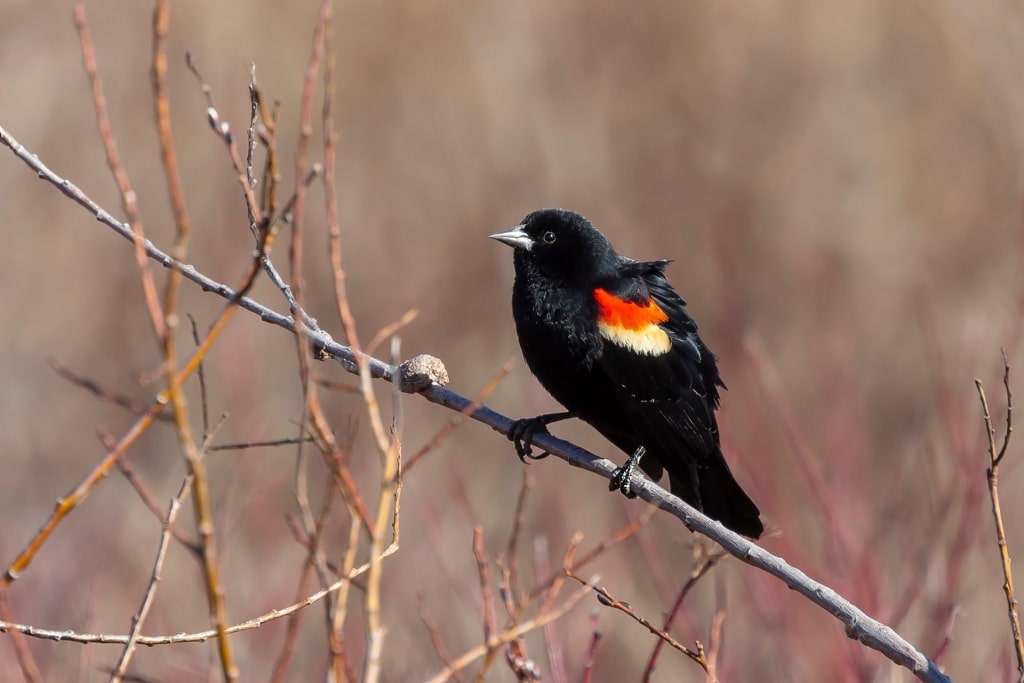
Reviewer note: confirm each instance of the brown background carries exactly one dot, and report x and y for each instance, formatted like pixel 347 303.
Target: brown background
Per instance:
pixel 838 182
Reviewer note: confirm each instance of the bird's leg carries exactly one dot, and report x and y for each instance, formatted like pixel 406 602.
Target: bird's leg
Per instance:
pixel 622 475
pixel 522 432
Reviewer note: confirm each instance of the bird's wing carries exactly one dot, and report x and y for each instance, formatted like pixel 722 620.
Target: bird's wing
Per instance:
pixel 665 375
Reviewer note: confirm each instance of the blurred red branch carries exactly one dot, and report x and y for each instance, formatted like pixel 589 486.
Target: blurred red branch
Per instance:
pixel 438 641
pixel 707 558
pixel 29 668
pixel 487 601
pixel 607 599
pixel 147 497
pixel 714 643
pixel 129 201
pixel 591 657
pixel 99 392
pixel 510 634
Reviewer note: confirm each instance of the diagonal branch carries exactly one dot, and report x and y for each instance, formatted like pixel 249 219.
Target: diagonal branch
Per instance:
pixel 859 625
pixel 606 598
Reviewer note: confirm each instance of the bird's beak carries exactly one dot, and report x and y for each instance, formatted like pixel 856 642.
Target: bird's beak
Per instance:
pixel 516 237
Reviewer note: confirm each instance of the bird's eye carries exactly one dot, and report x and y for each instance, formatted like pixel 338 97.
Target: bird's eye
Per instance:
pixel 548 237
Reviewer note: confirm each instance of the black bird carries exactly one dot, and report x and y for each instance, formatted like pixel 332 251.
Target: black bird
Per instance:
pixel 610 340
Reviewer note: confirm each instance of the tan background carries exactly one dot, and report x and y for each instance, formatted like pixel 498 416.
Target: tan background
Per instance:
pixel 838 182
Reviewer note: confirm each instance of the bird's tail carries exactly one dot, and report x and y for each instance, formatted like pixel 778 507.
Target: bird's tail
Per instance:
pixel 721 497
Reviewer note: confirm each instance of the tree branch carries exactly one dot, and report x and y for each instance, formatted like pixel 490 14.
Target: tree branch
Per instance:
pixel 858 625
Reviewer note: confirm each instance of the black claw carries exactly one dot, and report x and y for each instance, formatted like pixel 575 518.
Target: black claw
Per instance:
pixel 622 476
pixel 523 432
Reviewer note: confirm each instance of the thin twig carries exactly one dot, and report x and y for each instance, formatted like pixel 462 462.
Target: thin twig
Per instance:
pixel 94 387
pixel 540 551
pixel 265 234
pixel 997 512
pixel 714 644
pixel 295 207
pixel 390 494
pixel 128 198
pixel 509 635
pixel 607 599
pixel 260 444
pixel 606 543
pixel 291 634
pixel 707 560
pixel 342 662
pixel 591 656
pixel 516 655
pixel 394 326
pixel 250 152
pixel 196 466
pixel 334 453
pixel 541 567
pixel 162 109
pixel 438 641
pixel 947 634
pixel 512 548
pixel 311 407
pixel 483 570
pixel 147 497
pixel 161 554
pixel 266 130
pixel 204 402
pixel 837 544
pixel 294 621
pixel 302 150
pixel 334 385
pixel 1009 410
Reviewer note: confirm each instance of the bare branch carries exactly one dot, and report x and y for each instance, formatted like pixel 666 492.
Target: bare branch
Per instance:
pixel 508 635
pixel 858 624
pixel 483 569
pixel 94 387
pixel 706 560
pixel 128 198
pixel 161 554
pixel 997 512
pixel 438 641
pixel 607 599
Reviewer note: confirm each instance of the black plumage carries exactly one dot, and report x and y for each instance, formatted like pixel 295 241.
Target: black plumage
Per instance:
pixel 610 339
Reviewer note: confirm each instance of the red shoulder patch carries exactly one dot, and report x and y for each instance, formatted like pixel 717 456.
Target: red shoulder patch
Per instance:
pixel 615 312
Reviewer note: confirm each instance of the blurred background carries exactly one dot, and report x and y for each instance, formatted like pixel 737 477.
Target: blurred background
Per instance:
pixel 840 187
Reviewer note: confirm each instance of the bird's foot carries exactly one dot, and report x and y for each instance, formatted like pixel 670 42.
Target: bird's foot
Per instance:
pixel 523 431
pixel 622 476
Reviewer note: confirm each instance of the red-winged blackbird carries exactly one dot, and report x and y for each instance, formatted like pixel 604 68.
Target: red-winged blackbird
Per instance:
pixel 611 341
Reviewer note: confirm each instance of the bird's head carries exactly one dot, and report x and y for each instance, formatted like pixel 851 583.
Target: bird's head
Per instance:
pixel 561 244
